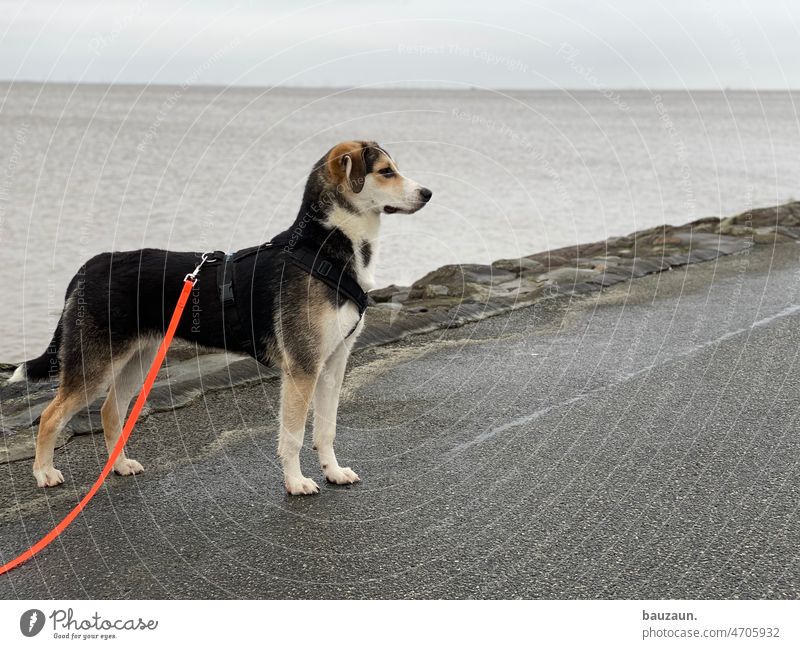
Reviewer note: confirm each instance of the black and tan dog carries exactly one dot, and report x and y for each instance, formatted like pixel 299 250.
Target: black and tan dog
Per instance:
pixel 117 307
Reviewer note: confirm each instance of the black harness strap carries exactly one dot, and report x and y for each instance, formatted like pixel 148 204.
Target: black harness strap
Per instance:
pixel 230 309
pixel 329 272
pixel 332 275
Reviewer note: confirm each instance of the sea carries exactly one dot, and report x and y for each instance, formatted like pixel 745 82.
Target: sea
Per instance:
pixel 90 168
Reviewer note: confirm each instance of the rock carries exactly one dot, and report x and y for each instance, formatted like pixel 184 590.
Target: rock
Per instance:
pixel 622 271
pixel 770 235
pixel 705 224
pixel 726 224
pixel 791 232
pixel 587 251
pixel 389 306
pixel 603 263
pixel 580 288
pixel 787 215
pixel 731 245
pixel 180 351
pixel 506 287
pixel 517 266
pixel 583 262
pixel 549 260
pixel 656 231
pixel 619 242
pixel 388 293
pixel 607 279
pixel 475 292
pixel 434 290
pixel 706 220
pixel 661 251
pixel 460 273
pixel 702 254
pixel 640 266
pixel 667 240
pixel 694 239
pixel 465 281
pixel 677 259
pixel 568 275
pixel 706 227
pixel 731 227
pixel 527 291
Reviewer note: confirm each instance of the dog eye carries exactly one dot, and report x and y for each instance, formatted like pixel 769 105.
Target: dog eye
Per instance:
pixel 387 172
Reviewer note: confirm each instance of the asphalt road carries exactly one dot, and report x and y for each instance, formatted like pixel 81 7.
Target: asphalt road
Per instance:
pixel 639 443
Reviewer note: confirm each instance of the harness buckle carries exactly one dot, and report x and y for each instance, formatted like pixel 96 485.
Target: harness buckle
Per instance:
pixel 192 277
pixel 324 267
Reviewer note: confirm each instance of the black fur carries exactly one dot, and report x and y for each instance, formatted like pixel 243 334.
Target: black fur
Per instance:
pixel 117 298
pixel 366 253
pixel 47 365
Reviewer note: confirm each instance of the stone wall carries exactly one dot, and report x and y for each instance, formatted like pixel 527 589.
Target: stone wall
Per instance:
pixel 447 297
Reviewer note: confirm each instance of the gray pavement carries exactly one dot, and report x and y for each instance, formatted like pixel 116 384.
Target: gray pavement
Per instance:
pixel 638 443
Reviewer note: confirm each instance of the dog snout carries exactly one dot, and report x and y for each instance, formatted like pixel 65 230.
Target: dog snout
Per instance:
pixel 425 194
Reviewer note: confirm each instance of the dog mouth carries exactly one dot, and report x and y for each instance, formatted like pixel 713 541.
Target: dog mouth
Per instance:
pixel 392 209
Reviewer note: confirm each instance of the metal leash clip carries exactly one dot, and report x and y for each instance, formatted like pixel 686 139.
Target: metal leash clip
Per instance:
pixel 192 277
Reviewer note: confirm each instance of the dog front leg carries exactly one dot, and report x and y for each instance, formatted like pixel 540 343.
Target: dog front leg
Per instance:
pixel 326 405
pixel 297 390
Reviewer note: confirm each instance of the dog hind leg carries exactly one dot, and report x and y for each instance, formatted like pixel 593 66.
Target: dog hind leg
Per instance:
pixel 78 387
pixel 127 381
pixel 54 417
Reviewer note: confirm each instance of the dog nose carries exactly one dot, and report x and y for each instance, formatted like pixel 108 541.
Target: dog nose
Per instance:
pixel 426 194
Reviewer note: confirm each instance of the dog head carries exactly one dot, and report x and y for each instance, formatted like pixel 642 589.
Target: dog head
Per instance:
pixel 368 179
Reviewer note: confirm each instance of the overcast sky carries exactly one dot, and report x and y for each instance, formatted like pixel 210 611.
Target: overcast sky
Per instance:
pixel 498 44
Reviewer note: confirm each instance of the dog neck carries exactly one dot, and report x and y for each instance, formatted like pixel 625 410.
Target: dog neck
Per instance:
pixel 361 229
pixel 339 232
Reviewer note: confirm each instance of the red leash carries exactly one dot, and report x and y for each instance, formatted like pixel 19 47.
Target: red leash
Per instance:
pixel 188 283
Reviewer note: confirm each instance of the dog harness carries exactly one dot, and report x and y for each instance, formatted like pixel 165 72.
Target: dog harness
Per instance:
pixel 233 300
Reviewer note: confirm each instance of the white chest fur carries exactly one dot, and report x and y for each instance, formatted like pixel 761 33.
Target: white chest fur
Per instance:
pixel 362 230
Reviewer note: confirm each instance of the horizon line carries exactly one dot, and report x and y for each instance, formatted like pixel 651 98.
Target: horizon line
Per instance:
pixel 409 87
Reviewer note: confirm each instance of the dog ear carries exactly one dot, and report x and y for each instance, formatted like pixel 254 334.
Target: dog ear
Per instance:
pixel 346 164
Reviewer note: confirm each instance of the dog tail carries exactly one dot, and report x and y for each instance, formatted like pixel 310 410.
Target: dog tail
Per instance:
pixel 42 367
pixel 46 366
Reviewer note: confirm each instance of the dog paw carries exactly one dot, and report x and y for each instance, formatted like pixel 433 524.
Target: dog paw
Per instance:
pixel 50 477
pixel 128 467
pixel 301 486
pixel 341 475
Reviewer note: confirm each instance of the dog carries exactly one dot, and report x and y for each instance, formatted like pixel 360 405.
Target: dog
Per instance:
pixel 117 306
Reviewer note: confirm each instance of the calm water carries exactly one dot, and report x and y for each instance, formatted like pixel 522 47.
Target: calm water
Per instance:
pixel 91 168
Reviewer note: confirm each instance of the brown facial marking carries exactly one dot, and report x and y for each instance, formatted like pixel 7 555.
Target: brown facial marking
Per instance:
pixel 383 162
pixel 337 165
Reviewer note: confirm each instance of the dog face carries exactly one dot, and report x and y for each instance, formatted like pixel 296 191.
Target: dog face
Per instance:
pixel 371 181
